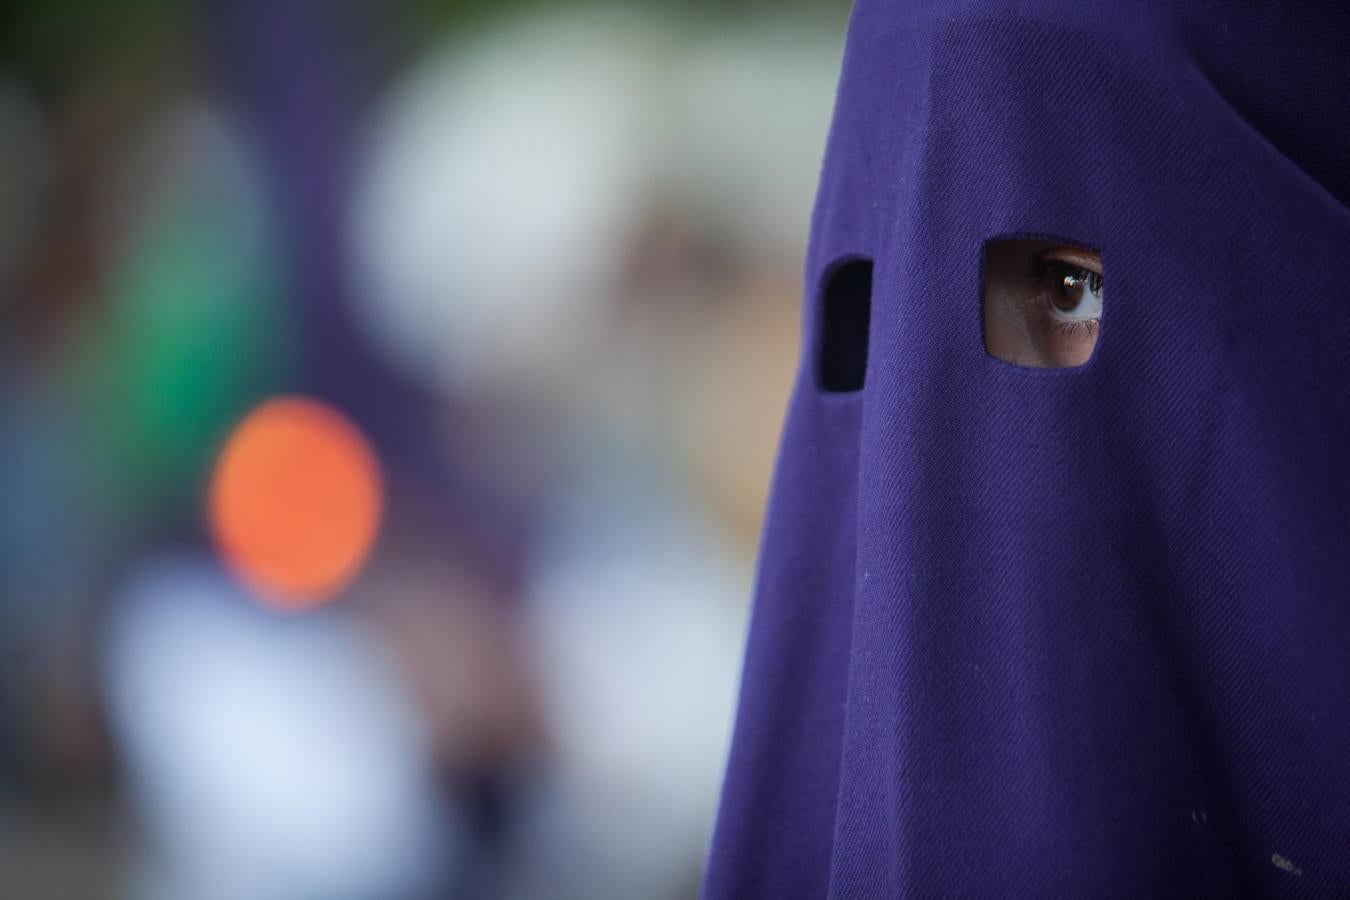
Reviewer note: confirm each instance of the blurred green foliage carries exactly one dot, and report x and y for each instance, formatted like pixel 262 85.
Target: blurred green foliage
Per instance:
pixel 189 338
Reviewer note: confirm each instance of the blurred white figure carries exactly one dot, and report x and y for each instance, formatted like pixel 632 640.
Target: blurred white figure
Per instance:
pixel 505 179
pixel 497 194
pixel 636 621
pixel 271 758
pixel 500 204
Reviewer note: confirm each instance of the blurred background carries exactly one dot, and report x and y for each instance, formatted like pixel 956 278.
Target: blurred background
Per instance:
pixel 388 399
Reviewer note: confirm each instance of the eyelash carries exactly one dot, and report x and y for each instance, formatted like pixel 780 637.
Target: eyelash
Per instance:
pixel 1037 269
pixel 1085 327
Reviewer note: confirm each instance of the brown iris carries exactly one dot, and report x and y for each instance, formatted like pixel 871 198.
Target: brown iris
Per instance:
pixel 1070 284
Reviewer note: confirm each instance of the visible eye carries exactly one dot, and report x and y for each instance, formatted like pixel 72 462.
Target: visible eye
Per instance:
pixel 1043 302
pixel 1074 291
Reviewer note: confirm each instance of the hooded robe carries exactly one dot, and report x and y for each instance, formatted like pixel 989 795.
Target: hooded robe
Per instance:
pixel 1077 632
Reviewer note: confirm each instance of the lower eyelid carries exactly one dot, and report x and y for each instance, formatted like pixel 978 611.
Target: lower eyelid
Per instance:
pixel 1079 326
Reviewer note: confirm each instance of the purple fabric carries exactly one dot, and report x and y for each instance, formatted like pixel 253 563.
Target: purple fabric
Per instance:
pixel 1067 632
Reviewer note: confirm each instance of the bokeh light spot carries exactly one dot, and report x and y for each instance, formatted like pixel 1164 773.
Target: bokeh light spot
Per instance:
pixel 295 501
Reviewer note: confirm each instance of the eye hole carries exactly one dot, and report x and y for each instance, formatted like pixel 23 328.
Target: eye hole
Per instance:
pixel 1043 302
pixel 846 313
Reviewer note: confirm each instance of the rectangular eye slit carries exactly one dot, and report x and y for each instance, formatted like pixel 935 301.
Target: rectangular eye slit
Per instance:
pixel 1043 302
pixel 846 314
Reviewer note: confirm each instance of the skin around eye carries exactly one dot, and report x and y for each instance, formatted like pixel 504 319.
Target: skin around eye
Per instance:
pixel 1043 303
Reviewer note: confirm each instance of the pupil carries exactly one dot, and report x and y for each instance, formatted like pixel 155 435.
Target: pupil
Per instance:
pixel 1069 293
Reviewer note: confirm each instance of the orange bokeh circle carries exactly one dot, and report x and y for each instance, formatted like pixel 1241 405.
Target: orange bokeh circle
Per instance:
pixel 295 501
